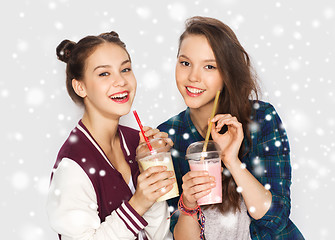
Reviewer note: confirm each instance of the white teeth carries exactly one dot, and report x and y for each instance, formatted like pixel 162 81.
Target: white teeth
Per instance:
pixel 194 90
pixel 121 95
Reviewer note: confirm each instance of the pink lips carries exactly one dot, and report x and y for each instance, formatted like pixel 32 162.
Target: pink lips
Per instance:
pixel 193 94
pixel 123 99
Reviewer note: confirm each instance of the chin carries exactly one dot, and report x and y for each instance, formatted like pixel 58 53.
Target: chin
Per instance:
pixel 192 104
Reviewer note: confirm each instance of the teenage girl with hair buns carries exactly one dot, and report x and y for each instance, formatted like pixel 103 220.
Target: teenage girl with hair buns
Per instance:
pixel 96 190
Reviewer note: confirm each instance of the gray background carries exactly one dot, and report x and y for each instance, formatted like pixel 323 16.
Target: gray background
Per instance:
pixel 292 47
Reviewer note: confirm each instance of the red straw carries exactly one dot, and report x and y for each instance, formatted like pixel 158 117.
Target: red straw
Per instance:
pixel 141 127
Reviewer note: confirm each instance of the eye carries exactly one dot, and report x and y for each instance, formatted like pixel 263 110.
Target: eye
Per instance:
pixel 184 63
pixel 104 74
pixel 126 70
pixel 210 67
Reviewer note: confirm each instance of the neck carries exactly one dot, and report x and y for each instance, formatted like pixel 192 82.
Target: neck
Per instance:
pixel 200 116
pixel 104 130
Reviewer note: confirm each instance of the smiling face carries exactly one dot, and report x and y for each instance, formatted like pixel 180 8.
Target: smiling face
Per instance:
pixel 197 76
pixel 109 85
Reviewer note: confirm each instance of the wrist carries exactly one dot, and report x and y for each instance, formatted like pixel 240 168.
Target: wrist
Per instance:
pixel 137 206
pixel 232 164
pixel 187 204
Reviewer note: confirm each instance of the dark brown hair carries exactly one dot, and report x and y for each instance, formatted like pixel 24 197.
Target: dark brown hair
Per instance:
pixel 239 85
pixel 76 54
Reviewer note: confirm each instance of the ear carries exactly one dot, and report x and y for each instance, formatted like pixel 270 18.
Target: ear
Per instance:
pixel 79 87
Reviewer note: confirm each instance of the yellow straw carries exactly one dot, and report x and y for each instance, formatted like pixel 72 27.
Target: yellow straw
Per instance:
pixel 210 123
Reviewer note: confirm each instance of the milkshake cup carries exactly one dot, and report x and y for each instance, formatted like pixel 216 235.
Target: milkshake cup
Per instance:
pixel 160 155
pixel 207 161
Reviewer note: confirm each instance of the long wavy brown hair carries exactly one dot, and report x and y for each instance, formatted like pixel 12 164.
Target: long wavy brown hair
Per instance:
pixel 239 87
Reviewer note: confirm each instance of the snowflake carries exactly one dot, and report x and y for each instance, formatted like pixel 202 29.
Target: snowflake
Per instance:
pixel 20 180
pixel 328 13
pixel 254 127
pixel 73 139
pixel 256 160
pixel 58 25
pixel 278 30
pixel 226 172
pixel 171 209
pixel 174 153
pixel 93 206
pixel 177 11
pixel 252 209
pixel 151 80
pixel 256 105
pixel 57 192
pixel 35 97
pixel 172 131
pixel 143 12
pixel 92 170
pixel 186 136
pixel 102 173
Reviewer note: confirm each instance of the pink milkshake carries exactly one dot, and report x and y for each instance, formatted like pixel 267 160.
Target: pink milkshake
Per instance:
pixel 207 161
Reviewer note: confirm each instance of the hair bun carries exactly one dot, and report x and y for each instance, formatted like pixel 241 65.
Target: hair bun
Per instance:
pixel 114 34
pixel 64 49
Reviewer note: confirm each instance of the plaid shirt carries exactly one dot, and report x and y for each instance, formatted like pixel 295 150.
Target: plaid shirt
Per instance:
pixel 267 158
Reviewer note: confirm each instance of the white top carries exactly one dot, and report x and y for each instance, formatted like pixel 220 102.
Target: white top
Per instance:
pixel 227 226
pixel 73 210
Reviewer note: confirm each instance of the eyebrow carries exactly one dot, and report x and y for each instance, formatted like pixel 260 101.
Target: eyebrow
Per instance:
pixel 206 60
pixel 109 66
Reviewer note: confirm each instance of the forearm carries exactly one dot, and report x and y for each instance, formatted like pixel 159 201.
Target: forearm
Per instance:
pixel 257 198
pixel 187 227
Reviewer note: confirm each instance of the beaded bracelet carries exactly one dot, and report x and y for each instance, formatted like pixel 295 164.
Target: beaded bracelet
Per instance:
pixel 191 212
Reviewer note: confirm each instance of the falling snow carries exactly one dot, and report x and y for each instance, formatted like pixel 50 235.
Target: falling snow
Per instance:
pixel 292 52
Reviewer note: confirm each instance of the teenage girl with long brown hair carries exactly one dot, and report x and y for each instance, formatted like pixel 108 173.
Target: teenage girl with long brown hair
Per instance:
pixel 254 146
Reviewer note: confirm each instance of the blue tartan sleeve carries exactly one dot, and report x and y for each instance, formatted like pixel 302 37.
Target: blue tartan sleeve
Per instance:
pixel 272 151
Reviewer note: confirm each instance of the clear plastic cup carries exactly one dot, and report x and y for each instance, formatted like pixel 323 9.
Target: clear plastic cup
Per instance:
pixel 207 161
pixel 161 156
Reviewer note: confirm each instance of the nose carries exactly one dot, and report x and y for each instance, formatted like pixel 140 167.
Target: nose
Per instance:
pixel 194 75
pixel 119 81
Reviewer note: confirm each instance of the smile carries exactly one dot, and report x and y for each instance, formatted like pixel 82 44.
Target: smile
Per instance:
pixel 194 92
pixel 120 97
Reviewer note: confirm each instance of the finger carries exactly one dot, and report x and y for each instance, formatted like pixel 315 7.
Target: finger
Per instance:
pixel 158 177
pixel 199 180
pixel 199 189
pixel 162 191
pixel 159 188
pixel 220 116
pixel 151 132
pixel 232 123
pixel 193 174
pixel 146 128
pixel 199 195
pixel 163 183
pixel 160 135
pixel 151 170
pixel 221 122
pixel 169 141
